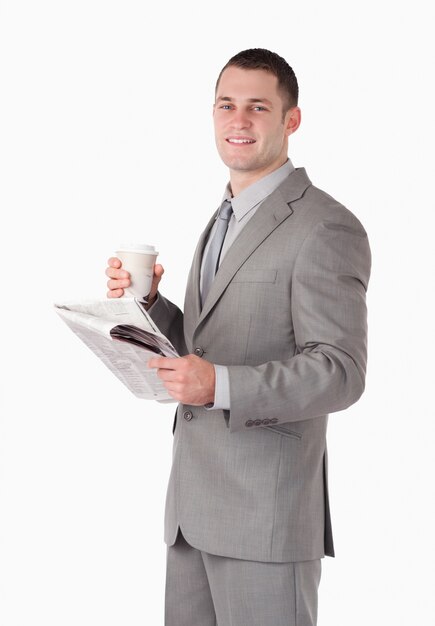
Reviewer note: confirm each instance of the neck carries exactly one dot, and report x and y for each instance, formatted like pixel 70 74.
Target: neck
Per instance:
pixel 240 179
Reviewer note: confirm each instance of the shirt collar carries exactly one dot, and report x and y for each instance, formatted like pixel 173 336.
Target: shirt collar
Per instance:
pixel 258 191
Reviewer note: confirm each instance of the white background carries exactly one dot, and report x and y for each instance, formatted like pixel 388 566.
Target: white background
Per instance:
pixel 106 135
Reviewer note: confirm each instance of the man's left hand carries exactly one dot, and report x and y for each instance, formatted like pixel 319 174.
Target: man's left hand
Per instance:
pixel 189 379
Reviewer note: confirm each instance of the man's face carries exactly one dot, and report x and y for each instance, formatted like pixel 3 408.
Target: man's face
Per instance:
pixel 251 133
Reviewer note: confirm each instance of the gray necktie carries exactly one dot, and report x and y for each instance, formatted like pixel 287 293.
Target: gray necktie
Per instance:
pixel 211 262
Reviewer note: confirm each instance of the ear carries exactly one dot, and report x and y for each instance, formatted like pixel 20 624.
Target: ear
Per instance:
pixel 292 120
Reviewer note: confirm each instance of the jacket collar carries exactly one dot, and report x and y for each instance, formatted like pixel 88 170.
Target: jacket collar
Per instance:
pixel 272 212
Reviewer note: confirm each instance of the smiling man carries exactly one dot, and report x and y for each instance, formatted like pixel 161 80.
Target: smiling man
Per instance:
pixel 273 338
pixel 252 132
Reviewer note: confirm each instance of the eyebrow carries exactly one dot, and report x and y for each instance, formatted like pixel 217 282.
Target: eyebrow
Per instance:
pixel 264 100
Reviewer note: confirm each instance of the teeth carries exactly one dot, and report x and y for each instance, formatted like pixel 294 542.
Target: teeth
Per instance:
pixel 241 140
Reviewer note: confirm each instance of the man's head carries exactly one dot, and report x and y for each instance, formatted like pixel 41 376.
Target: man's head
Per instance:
pixel 262 59
pixel 254 113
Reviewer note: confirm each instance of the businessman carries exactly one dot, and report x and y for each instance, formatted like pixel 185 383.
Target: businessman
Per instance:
pixel 273 338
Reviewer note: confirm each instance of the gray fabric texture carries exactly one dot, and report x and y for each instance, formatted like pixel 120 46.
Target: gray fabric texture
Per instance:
pixel 287 315
pixel 207 590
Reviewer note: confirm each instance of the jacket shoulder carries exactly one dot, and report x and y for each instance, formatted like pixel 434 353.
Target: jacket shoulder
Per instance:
pixel 316 205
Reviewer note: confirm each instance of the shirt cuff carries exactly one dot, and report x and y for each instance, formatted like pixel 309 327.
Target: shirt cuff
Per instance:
pixel 222 389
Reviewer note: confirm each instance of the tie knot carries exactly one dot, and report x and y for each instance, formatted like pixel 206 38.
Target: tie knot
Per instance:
pixel 225 210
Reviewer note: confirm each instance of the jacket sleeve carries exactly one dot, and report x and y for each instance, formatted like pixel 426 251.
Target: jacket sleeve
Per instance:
pixel 169 320
pixel 329 316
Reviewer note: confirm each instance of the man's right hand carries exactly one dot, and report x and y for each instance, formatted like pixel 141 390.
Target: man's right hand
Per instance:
pixel 119 280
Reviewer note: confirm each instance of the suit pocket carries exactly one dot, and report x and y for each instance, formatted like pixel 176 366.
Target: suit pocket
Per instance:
pixel 282 430
pixel 255 276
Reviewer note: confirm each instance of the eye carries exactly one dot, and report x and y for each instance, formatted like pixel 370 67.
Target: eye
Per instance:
pixel 226 107
pixel 260 108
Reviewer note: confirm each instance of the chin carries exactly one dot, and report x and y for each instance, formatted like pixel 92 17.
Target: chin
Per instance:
pixel 240 164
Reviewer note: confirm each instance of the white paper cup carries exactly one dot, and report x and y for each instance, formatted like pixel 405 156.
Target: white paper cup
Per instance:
pixel 139 260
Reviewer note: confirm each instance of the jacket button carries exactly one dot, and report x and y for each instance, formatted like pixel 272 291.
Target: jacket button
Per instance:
pixel 249 423
pixel 198 351
pixel 258 422
pixel 266 421
pixel 188 415
pixel 274 420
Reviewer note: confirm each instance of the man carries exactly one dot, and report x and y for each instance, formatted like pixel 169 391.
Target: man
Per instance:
pixel 273 341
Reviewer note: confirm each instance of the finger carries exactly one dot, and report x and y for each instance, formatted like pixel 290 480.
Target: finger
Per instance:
pixel 157 362
pixel 115 293
pixel 174 388
pixel 158 270
pixel 114 262
pixel 169 376
pixel 178 396
pixel 163 362
pixel 118 284
pixel 158 273
pixel 114 273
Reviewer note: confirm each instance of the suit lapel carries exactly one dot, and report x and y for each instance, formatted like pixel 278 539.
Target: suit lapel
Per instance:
pixel 274 210
pixel 192 304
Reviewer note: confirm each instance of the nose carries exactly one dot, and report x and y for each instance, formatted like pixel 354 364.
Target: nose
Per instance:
pixel 240 120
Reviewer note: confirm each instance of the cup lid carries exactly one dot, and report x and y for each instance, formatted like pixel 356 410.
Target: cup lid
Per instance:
pixel 137 247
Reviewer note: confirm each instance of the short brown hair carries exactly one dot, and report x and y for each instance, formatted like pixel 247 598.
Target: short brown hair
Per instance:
pixel 262 59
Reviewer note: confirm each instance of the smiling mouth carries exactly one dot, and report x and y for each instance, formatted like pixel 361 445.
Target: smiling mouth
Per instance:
pixel 240 140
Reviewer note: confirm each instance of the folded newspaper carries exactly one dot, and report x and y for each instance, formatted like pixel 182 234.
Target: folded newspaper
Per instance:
pixel 122 334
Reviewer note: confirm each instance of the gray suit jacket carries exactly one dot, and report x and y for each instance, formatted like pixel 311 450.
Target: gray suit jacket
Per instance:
pixel 287 314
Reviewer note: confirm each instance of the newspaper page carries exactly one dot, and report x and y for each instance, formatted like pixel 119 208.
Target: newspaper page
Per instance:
pixel 124 337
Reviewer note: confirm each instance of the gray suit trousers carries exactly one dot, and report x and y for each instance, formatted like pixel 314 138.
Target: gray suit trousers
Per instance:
pixel 204 589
